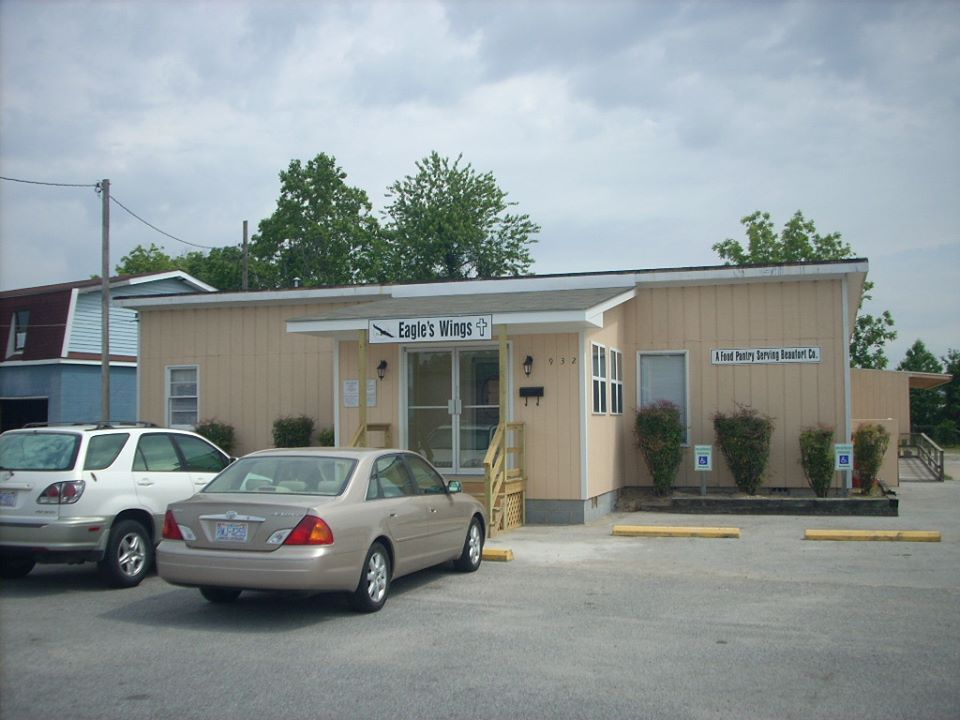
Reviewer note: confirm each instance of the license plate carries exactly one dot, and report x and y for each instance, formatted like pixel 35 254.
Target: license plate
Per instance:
pixel 8 498
pixel 231 532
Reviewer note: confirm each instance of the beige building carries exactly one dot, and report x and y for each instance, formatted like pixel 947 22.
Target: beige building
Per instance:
pixel 565 359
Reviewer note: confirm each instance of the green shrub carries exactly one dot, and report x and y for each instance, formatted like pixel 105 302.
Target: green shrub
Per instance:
pixel 219 433
pixel 744 440
pixel 292 431
pixel 326 437
pixel 816 456
pixel 660 436
pixel 870 442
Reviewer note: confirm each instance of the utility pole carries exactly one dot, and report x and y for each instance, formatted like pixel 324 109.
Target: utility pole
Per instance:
pixel 246 259
pixel 105 302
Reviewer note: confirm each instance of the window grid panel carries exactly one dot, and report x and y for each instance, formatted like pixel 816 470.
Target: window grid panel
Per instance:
pixel 183 401
pixel 616 382
pixel 599 379
pixel 663 376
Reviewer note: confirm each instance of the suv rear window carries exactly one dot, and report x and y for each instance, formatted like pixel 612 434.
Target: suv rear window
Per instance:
pixel 38 451
pixel 102 450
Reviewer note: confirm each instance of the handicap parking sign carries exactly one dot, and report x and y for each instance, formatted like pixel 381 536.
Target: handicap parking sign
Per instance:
pixel 703 457
pixel 843 456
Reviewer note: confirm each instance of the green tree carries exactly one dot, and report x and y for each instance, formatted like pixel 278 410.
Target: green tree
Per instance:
pixel 450 222
pixel 146 260
pixel 948 429
pixel 322 232
pixel 926 406
pixel 220 267
pixel 799 241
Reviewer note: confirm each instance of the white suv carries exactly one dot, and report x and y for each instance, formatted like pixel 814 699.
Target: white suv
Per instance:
pixel 95 492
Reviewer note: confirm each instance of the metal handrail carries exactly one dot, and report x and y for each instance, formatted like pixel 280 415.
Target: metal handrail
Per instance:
pixel 928 452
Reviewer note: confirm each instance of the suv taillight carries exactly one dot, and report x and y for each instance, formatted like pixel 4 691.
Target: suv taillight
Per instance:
pixel 171 531
pixel 62 493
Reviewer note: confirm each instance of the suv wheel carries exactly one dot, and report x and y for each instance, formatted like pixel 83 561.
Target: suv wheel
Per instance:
pixel 13 566
pixel 129 555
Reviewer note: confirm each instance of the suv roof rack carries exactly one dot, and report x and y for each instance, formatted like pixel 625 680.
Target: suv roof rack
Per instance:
pixel 94 424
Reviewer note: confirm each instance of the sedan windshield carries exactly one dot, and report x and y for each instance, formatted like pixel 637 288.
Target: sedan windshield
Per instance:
pixel 38 451
pixel 288 474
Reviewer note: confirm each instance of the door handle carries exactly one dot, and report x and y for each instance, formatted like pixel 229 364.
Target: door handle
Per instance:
pixel 393 515
pixel 145 482
pixel 433 510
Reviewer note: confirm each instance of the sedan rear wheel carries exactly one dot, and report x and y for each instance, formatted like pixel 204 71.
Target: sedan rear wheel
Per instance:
pixel 220 595
pixel 469 560
pixel 371 592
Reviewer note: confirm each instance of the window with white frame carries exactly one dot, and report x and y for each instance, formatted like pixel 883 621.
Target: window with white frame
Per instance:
pixel 616 382
pixel 599 379
pixel 183 396
pixel 663 376
pixel 19 322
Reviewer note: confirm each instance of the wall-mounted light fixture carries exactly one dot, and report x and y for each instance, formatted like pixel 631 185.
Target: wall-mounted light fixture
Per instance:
pixel 527 365
pixel 382 369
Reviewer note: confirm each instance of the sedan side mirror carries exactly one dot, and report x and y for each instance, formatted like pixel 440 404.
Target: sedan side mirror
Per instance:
pixel 454 486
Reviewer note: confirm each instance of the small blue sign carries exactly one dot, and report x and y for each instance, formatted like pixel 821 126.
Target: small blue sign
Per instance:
pixel 703 458
pixel 843 456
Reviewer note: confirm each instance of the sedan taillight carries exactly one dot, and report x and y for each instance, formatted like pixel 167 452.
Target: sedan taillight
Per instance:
pixel 310 531
pixel 171 531
pixel 62 493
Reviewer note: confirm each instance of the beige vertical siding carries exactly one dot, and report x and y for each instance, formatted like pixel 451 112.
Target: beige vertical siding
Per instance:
pixel 609 436
pixel 881 394
pixel 252 370
pixel 387 409
pixel 699 319
pixel 553 429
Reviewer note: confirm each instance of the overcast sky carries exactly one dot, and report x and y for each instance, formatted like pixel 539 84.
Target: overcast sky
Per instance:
pixel 637 134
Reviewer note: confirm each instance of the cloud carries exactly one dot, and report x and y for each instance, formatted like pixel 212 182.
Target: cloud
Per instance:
pixel 644 129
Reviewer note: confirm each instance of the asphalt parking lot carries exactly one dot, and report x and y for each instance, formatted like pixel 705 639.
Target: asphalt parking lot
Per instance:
pixel 580 624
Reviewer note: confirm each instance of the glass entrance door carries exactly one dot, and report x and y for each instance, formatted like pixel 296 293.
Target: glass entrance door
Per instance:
pixel 453 406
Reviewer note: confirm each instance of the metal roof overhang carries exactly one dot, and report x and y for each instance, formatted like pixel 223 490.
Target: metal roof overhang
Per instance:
pixel 523 313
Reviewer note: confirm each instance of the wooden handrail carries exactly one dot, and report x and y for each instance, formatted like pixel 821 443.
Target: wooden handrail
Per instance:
pixel 360 436
pixel 497 472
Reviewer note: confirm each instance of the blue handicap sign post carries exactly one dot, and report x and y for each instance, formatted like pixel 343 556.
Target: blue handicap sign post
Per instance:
pixel 843 462
pixel 703 462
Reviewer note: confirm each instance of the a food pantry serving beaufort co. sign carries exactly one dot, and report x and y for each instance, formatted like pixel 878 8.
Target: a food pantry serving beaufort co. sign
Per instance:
pixel 754 356
pixel 431 329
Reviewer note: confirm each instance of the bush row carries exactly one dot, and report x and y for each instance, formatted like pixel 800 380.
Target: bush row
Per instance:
pixel 287 432
pixel 744 440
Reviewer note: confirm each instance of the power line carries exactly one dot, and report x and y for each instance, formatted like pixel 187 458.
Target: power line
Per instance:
pixel 114 199
pixel 154 227
pixel 51 184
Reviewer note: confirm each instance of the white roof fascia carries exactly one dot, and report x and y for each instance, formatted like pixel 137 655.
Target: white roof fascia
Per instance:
pixel 524 284
pixel 170 274
pixel 734 273
pixel 270 296
pixel 65 361
pixel 595 314
pixel 625 279
pixel 326 326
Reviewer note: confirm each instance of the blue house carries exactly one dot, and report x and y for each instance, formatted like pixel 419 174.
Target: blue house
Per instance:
pixel 50 348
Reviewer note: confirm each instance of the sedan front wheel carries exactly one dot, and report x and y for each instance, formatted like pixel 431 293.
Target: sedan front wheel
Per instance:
pixel 472 554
